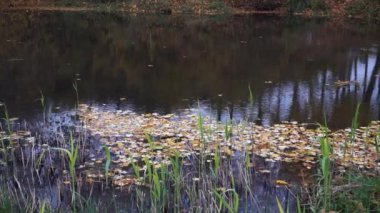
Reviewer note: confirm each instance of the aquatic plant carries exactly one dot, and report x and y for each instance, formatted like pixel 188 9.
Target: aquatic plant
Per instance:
pixel 251 98
pixel 356 193
pixel 3 149
pixel 6 116
pixel 42 102
pixel 177 178
pixel 75 87
pixel 224 201
pixel 150 140
pixel 228 127
pixel 157 179
pixel 377 141
pixel 107 163
pixel 6 204
pixel 280 207
pixel 175 183
pixel 217 159
pixel 72 154
pixel 325 166
pixel 354 124
pixel 200 124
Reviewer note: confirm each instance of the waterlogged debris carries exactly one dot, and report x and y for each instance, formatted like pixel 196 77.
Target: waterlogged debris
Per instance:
pixel 15 59
pixel 196 179
pixel 14 119
pixel 124 181
pixel 264 171
pixel 126 134
pixel 340 83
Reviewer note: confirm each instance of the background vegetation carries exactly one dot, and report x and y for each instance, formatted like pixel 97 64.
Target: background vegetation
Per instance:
pixel 369 9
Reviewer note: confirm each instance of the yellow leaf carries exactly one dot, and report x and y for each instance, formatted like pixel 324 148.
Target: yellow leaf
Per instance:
pixel 282 183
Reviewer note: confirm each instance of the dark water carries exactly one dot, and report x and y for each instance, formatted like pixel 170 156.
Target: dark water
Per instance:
pixel 166 63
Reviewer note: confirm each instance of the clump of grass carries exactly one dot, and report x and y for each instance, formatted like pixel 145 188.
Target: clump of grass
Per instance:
pixel 6 204
pixel 224 202
pixel 72 154
pixel 357 193
pixel 157 179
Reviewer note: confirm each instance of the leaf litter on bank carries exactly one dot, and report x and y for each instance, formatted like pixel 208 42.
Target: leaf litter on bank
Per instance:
pixel 126 133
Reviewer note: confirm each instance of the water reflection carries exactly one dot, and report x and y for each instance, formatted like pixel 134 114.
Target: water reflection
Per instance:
pixel 167 63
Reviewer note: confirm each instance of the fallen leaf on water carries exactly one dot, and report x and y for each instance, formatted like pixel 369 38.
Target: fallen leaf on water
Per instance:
pixel 282 183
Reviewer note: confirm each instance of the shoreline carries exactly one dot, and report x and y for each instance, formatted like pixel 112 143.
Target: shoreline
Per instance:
pixel 232 11
pixel 280 12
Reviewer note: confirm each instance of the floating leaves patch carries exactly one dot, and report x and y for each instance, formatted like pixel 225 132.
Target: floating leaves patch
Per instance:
pixel 132 137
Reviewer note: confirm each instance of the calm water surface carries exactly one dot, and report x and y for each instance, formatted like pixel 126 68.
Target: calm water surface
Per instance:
pixel 167 63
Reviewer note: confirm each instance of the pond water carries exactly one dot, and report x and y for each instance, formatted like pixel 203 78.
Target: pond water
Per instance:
pixel 167 63
pixel 261 68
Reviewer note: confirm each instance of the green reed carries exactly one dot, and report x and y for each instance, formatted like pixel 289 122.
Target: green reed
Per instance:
pixel 107 163
pixel 42 102
pixel 217 159
pixel 72 154
pixel 75 87
pixel 200 124
pixel 251 97
pixel 157 179
pixel 280 207
pixel 3 149
pixel 136 168
pixel 377 141
pixel 299 208
pixel 354 126
pixel 6 116
pixel 177 177
pixel 228 129
pixel 150 140
pixel 326 168
pixel 201 129
pixel 224 202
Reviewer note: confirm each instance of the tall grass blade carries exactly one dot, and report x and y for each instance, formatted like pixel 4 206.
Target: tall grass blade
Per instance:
pixel 279 205
pixel 251 100
pixel 108 162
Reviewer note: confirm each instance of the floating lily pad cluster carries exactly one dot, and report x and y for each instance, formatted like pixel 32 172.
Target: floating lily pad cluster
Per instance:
pixel 134 137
